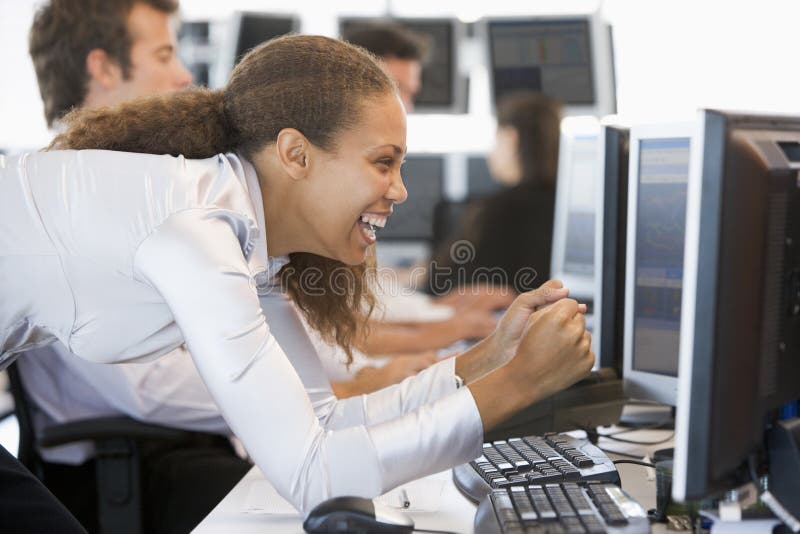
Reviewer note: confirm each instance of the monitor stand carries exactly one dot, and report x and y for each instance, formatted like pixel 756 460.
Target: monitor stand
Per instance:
pixel 648 415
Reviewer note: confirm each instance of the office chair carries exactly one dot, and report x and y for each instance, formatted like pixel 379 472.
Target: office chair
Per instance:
pixel 117 462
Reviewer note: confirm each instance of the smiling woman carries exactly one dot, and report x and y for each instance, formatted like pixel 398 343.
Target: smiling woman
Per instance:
pixel 161 237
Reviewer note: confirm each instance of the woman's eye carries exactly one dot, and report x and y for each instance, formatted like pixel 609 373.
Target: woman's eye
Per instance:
pixel 387 162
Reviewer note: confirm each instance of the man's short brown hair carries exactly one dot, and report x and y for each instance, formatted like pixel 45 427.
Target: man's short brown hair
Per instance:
pixel 389 39
pixel 63 34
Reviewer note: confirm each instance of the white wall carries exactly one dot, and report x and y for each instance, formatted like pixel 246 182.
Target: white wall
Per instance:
pixel 673 56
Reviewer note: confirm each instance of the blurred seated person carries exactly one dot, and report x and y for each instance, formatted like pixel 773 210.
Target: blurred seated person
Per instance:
pixel 505 239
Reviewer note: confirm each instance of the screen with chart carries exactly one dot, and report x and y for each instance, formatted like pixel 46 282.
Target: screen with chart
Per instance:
pixel 660 237
pixel 551 56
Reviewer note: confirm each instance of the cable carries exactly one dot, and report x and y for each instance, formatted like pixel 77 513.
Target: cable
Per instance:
pixel 623 440
pixel 626 454
pixel 434 531
pixel 634 462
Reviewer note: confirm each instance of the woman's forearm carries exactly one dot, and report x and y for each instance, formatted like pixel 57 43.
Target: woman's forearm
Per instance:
pixel 390 338
pixel 480 360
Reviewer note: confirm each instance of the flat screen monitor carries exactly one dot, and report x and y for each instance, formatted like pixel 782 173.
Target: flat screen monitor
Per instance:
pixel 442 89
pixel 658 181
pixel 479 180
pixel 248 30
pixel 740 331
pixel 574 222
pixel 413 220
pixel 566 57
pixel 610 240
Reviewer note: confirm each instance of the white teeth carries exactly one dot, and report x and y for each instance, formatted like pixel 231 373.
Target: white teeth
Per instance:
pixel 374 220
pixel 371 232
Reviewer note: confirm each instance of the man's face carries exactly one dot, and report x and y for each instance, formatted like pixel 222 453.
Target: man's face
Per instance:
pixel 154 67
pixel 408 75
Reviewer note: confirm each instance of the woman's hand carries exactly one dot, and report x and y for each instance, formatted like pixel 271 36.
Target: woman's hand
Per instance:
pixel 554 352
pixel 512 326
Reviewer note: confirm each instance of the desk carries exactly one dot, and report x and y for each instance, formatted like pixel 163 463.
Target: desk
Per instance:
pixel 456 513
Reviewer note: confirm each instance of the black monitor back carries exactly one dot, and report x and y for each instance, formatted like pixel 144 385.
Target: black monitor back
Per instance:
pixel 256 28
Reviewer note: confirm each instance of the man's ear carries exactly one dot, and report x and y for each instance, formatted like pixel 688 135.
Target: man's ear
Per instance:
pixel 103 70
pixel 294 151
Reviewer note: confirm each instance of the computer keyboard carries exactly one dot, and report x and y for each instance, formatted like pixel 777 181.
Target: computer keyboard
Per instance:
pixel 533 460
pixel 567 507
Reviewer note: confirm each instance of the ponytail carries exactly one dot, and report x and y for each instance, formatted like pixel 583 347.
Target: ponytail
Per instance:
pixel 191 123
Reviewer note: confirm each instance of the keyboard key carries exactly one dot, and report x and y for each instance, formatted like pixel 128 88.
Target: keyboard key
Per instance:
pixel 541 502
pixel 572 525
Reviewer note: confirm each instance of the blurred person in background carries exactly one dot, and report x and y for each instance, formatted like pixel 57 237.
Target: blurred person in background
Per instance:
pixel 510 232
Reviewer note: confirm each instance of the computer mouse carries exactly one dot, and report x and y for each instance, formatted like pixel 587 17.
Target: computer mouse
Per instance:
pixel 358 516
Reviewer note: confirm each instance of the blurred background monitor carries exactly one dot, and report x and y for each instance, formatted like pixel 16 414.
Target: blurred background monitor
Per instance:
pixel 479 180
pixel 740 332
pixel 658 178
pixel 610 239
pixel 443 90
pixel 566 57
pixel 574 222
pixel 194 49
pixel 413 220
pixel 248 30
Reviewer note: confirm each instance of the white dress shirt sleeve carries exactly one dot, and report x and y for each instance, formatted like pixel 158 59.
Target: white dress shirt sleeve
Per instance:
pixel 195 262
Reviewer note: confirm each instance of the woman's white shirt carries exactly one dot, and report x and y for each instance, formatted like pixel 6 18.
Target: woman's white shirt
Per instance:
pixel 126 256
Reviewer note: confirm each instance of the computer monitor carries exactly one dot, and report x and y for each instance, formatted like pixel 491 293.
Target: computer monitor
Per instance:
pixel 443 90
pixel 740 331
pixel 194 49
pixel 423 176
pixel 578 179
pixel 248 30
pixel 610 239
pixel 657 184
pixel 479 180
pixel 567 57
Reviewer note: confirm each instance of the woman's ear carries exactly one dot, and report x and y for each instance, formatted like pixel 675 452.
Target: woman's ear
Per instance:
pixel 293 149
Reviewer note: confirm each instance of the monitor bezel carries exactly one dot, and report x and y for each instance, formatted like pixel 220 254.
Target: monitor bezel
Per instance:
pixel 601 50
pixel 642 384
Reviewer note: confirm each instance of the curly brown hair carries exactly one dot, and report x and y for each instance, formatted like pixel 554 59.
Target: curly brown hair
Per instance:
pixel 62 35
pixel 314 84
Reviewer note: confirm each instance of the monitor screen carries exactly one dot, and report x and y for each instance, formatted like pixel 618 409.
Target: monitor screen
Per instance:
pixel 479 180
pixel 582 173
pixel 552 56
pixel 437 88
pixel 660 233
pixel 256 28
pixel 413 219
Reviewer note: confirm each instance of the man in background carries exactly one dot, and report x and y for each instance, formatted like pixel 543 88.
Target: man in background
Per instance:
pixel 401 51
pixel 89 54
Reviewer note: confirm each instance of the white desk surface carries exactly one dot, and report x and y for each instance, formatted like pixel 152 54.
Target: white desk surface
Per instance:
pixel 455 514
